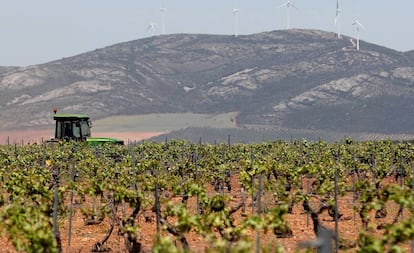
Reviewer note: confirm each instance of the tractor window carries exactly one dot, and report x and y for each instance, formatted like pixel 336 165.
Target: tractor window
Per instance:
pixel 85 129
pixel 67 129
pixel 76 130
pixel 58 133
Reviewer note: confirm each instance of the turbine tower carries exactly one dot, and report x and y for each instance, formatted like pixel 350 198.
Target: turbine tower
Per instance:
pixel 236 21
pixel 359 26
pixel 288 4
pixel 163 12
pixel 338 18
pixel 236 18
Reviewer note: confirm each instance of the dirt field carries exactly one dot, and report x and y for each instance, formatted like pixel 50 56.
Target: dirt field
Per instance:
pixel 83 236
pixel 25 137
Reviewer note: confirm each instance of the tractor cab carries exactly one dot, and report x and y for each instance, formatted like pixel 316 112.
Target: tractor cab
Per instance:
pixel 77 127
pixel 72 127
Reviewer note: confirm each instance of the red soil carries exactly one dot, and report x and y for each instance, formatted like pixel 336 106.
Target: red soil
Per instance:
pixel 84 237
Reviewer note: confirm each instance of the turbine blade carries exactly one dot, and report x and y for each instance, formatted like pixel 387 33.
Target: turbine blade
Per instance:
pixel 359 24
pixel 151 26
pixel 284 5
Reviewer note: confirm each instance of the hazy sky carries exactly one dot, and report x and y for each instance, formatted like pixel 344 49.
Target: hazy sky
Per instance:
pixel 38 31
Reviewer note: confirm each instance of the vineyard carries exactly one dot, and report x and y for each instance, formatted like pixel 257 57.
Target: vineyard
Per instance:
pixel 177 196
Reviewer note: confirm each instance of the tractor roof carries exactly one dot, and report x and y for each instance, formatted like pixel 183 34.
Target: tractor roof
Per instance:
pixel 70 117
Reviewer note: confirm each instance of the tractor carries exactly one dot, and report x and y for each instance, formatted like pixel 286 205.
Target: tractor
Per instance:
pixel 77 127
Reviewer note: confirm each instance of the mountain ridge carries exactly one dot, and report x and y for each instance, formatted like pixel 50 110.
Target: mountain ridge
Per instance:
pixel 299 79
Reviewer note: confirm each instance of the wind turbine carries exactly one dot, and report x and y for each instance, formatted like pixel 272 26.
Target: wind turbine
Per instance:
pixel 338 18
pixel 163 12
pixel 236 19
pixel 152 26
pixel 288 4
pixel 358 28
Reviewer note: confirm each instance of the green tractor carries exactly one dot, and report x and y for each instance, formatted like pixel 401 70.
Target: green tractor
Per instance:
pixel 77 127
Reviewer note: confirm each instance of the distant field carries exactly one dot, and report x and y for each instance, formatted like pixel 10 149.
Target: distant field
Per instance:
pixel 135 127
pixel 191 126
pixel 162 122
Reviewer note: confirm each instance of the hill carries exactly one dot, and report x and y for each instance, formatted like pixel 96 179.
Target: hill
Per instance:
pixel 294 79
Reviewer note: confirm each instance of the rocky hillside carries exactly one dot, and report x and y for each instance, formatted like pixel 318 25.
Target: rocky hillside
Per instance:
pixel 296 79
